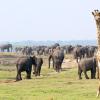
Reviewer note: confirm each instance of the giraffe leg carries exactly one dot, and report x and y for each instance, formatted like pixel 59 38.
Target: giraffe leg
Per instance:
pixel 98 91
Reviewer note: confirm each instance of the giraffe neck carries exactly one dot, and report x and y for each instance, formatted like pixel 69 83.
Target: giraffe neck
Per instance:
pixel 98 35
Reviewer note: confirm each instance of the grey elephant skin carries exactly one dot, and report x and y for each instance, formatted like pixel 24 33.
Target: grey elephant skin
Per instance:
pixel 24 64
pixel 7 47
pixel 57 57
pixel 87 64
pixel 37 67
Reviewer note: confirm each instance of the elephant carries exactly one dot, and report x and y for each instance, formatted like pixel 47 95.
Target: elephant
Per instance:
pixel 27 50
pixel 87 64
pixel 46 51
pixel 91 51
pixel 18 49
pixel 57 57
pixel 69 49
pixel 37 67
pixel 40 50
pixel 79 53
pixel 25 64
pixel 6 47
pixel 55 45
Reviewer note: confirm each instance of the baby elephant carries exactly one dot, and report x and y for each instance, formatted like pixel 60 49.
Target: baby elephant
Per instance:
pixel 37 67
pixel 87 64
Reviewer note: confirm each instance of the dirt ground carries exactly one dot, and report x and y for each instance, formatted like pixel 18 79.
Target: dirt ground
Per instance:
pixel 9 60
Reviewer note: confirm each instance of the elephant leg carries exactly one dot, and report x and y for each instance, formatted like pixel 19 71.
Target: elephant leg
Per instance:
pixel 28 76
pixel 56 67
pixel 53 63
pixel 92 74
pixel 29 72
pixel 59 67
pixel 18 77
pixel 2 50
pixel 34 69
pixel 35 73
pixel 49 60
pixel 49 65
pixel 39 70
pixel 38 73
pixel 79 73
pixel 86 76
pixel 8 50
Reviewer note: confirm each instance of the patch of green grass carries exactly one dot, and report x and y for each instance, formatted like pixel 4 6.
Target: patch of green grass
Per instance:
pixel 49 86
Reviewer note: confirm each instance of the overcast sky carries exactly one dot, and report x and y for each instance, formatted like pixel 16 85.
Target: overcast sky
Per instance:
pixel 47 20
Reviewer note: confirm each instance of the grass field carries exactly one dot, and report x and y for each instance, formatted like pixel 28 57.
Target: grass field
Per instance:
pixel 49 86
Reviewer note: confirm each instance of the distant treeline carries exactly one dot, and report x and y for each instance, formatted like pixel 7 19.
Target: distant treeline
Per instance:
pixel 48 43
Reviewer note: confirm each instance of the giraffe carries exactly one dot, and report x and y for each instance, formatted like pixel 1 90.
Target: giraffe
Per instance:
pixel 96 14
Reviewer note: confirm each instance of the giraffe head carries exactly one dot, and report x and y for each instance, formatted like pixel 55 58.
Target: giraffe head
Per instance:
pixel 96 15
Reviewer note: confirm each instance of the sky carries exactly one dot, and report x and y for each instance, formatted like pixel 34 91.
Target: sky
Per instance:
pixel 47 20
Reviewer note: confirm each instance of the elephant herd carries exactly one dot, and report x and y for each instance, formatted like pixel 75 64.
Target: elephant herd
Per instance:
pixel 82 52
pixel 84 55
pixel 25 64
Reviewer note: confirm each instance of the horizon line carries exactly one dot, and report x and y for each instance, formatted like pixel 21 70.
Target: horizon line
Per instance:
pixel 51 40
